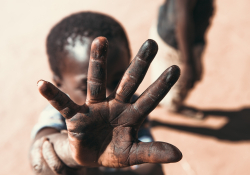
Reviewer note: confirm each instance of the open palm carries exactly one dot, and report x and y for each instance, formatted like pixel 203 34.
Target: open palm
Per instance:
pixel 103 131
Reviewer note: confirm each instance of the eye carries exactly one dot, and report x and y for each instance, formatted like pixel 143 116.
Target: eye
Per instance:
pixel 82 87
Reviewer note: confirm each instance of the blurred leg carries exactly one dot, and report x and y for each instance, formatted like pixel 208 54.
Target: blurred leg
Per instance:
pixel 166 57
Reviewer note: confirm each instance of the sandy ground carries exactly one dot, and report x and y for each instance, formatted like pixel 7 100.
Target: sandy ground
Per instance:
pixel 217 145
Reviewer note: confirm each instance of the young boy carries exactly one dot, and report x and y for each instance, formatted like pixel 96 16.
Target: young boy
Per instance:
pixel 70 54
pixel 179 32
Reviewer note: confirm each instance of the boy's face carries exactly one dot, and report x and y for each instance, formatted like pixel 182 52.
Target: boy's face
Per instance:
pixel 75 68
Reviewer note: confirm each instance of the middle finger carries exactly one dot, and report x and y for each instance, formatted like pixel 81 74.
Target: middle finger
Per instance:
pixel 97 72
pixel 136 71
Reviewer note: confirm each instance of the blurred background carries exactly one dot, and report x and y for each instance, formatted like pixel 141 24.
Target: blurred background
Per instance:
pixel 218 144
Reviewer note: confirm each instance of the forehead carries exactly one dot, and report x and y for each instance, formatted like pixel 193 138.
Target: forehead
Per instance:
pixel 78 48
pixel 77 54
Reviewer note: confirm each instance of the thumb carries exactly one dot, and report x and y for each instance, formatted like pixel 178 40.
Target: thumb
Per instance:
pixel 154 152
pixel 58 99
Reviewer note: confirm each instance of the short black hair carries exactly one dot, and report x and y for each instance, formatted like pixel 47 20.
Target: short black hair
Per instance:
pixel 88 24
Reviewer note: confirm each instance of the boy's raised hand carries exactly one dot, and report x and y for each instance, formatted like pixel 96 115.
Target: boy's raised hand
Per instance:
pixel 103 131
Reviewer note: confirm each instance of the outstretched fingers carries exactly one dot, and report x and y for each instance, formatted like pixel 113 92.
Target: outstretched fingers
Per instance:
pixel 153 152
pixel 157 91
pixel 58 99
pixel 97 71
pixel 136 71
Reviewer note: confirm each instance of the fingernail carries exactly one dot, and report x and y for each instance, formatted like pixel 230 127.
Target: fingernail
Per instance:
pixel 173 73
pixel 39 81
pixel 99 48
pixel 148 50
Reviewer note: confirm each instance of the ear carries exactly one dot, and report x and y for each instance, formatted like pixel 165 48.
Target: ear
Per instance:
pixel 57 81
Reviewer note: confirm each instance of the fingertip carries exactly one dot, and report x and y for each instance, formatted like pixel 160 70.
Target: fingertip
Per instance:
pixel 100 39
pixel 152 44
pixel 176 155
pixel 40 83
pixel 173 74
pixel 47 89
pixel 148 50
pixel 99 47
pixel 42 87
pixel 175 68
pixel 172 153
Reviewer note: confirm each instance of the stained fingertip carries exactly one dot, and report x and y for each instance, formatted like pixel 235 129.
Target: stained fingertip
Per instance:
pixel 99 48
pixel 165 153
pixel 172 74
pixel 47 89
pixel 154 152
pixel 174 154
pixel 148 50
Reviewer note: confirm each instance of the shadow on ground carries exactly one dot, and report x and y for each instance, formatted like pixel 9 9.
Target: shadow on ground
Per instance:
pixel 237 128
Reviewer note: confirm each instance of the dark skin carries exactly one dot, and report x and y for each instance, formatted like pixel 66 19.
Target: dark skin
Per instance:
pixel 103 131
pixel 191 20
pixel 74 83
pixel 75 69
